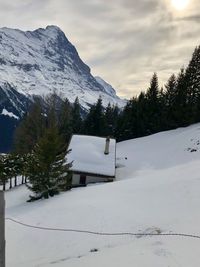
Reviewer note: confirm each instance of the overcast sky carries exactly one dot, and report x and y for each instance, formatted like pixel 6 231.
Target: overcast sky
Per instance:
pixel 123 41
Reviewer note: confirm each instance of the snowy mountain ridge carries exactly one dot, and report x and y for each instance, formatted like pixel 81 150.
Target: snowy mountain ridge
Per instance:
pixel 42 61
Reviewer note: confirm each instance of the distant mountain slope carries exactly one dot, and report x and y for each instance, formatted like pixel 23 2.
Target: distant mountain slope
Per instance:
pixel 42 61
pixel 13 105
pixel 38 63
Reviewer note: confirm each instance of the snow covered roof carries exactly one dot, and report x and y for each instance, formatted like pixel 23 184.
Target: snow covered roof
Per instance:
pixel 88 155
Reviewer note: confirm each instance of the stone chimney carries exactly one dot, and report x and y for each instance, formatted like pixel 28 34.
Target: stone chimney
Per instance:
pixel 107 146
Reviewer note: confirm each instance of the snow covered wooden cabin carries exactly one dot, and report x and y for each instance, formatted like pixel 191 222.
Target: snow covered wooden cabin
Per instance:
pixel 94 159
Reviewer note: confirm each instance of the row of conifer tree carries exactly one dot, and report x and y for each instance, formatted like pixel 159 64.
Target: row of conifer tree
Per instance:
pixel 177 104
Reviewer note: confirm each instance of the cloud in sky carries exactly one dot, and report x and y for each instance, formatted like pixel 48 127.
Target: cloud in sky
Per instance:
pixel 124 41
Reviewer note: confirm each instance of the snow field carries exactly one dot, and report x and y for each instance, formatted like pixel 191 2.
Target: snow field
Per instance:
pixel 157 189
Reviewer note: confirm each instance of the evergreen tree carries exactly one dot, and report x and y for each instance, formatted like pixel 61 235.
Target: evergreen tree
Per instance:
pixel 76 117
pixel 66 121
pixel 6 170
pixel 192 80
pixel 111 118
pixel 16 163
pixel 180 112
pixel 47 169
pixel 170 92
pixel 141 121
pixel 126 122
pixel 197 109
pixel 3 171
pixel 153 90
pixel 116 113
pixel 10 164
pixel 30 129
pixel 154 107
pixel 169 103
pixel 95 121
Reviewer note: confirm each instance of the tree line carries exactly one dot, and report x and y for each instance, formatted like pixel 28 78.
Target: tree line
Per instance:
pixel 177 104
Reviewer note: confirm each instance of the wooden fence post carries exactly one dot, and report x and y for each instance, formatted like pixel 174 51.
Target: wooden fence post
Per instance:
pixel 2 229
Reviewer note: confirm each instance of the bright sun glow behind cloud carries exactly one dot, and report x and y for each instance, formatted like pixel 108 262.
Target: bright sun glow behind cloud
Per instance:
pixel 180 4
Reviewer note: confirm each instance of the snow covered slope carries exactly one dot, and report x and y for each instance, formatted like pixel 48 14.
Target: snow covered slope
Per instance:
pixel 157 190
pixel 42 61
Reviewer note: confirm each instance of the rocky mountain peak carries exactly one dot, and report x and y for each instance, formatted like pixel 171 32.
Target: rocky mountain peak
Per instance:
pixel 41 61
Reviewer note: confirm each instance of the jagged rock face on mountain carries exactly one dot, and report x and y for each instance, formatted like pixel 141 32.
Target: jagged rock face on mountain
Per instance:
pixel 40 62
pixel 13 105
pixel 43 61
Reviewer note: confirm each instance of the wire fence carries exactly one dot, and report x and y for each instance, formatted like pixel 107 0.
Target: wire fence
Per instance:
pixel 102 233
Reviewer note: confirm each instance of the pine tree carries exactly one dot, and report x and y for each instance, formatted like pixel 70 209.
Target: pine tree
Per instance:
pixel 10 164
pixel 197 109
pixel 16 165
pixel 180 111
pixel 111 118
pixel 95 121
pixel 170 92
pixel 169 103
pixel 47 169
pixel 141 120
pixel 116 113
pixel 30 129
pixel 192 80
pixel 3 171
pixel 153 90
pixel 126 121
pixel 65 121
pixel 154 108
pixel 76 117
pixel 6 170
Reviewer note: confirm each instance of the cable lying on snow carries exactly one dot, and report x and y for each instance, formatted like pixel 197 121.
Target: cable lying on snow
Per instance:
pixel 101 233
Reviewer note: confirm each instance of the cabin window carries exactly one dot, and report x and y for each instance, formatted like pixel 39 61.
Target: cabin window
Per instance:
pixel 82 179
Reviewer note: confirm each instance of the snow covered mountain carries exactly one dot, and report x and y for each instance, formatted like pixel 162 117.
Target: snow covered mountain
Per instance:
pixel 157 191
pixel 40 62
pixel 43 61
